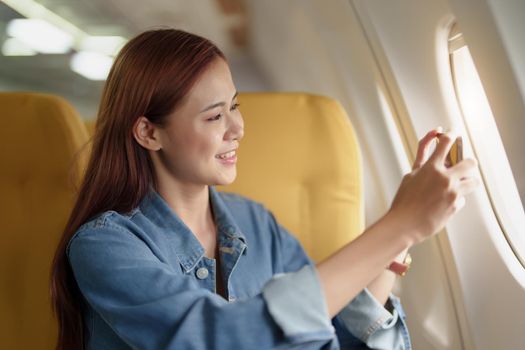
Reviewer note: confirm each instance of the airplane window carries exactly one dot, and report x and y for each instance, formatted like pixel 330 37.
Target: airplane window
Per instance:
pixel 497 176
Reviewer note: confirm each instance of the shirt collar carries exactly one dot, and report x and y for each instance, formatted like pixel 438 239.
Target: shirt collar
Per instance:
pixel 226 223
pixel 187 248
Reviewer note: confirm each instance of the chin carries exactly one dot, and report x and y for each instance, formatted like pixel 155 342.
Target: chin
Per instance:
pixel 225 182
pixel 226 179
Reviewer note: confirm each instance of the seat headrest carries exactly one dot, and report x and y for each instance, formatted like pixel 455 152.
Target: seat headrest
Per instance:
pixel 300 157
pixel 44 134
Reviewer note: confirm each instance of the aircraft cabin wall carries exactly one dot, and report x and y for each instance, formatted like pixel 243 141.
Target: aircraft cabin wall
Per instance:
pixel 389 64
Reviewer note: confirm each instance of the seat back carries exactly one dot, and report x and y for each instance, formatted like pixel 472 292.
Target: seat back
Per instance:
pixel 39 169
pixel 300 157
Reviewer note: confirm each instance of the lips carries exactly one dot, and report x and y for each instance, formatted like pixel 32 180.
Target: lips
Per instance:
pixel 227 155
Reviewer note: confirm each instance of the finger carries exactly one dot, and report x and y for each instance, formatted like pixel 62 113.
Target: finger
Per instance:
pixel 424 143
pixel 468 185
pixel 465 168
pixel 459 204
pixel 445 143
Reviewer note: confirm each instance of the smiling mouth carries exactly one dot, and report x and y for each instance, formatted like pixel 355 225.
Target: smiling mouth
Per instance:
pixel 227 155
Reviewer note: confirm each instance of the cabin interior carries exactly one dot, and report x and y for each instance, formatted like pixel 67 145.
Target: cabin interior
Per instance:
pixel 398 69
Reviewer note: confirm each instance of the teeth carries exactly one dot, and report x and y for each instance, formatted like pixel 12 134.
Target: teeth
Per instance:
pixel 226 155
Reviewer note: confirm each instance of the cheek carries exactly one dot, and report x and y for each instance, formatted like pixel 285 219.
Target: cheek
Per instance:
pixel 195 144
pixel 206 144
pixel 212 144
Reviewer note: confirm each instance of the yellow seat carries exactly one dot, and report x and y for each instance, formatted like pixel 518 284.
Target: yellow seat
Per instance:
pixel 41 135
pixel 300 157
pixel 90 126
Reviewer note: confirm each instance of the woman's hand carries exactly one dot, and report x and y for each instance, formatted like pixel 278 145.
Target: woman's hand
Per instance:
pixel 432 193
pixel 426 199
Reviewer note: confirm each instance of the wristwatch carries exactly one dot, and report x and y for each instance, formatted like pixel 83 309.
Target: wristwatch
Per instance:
pixel 401 268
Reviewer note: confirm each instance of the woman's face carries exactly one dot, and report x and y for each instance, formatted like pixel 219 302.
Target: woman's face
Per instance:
pixel 199 144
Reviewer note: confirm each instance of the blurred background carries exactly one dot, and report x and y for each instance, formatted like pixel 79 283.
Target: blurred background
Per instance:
pixel 66 47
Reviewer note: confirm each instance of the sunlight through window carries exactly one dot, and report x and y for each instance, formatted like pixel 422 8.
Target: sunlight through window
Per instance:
pixel 486 142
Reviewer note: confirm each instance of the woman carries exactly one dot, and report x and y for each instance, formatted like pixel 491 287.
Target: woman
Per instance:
pixel 154 258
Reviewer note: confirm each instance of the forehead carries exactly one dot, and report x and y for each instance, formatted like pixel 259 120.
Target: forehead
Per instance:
pixel 214 85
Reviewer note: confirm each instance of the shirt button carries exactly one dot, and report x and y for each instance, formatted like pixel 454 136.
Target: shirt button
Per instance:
pixel 202 273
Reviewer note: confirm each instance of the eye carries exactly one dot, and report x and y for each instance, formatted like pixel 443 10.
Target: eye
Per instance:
pixel 217 117
pixel 235 106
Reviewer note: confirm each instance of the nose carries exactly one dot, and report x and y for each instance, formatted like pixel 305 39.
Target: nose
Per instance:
pixel 235 130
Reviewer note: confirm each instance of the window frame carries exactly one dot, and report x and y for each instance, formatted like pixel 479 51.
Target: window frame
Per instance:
pixel 503 196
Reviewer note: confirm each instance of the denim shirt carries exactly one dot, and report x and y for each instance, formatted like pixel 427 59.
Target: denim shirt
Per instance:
pixel 147 284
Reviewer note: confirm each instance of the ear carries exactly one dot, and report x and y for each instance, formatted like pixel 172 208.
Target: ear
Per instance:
pixel 146 134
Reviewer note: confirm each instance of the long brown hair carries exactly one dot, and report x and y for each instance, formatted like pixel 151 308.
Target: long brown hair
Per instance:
pixel 151 75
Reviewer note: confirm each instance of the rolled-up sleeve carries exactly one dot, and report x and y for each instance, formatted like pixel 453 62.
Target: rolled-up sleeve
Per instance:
pixel 363 323
pixel 297 304
pixel 149 305
pixel 365 318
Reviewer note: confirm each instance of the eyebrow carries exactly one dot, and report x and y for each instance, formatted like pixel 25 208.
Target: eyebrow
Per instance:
pixel 218 104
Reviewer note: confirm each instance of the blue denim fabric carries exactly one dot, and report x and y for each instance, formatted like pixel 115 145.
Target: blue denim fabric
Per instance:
pixel 148 285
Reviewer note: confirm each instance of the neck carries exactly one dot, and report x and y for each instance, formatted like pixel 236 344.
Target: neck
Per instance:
pixel 192 205
pixel 190 202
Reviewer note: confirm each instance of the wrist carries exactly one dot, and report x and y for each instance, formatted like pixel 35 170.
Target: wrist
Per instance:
pixel 398 225
pixel 401 257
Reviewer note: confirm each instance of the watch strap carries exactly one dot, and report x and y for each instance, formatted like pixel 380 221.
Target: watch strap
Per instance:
pixel 401 268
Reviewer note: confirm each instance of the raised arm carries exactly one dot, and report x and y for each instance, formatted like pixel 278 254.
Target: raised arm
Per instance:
pixel 426 199
pixel 382 285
